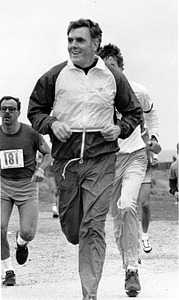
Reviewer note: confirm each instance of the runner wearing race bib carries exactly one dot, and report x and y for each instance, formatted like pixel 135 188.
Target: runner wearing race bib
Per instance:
pixel 19 179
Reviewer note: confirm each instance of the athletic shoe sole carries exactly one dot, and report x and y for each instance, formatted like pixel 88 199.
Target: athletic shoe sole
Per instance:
pixel 147 251
pixel 132 293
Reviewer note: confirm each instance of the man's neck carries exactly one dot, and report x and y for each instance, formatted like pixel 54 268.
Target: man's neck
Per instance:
pixel 86 69
pixel 10 129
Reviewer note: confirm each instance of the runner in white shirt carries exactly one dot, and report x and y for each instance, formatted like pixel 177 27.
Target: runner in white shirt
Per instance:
pixel 131 167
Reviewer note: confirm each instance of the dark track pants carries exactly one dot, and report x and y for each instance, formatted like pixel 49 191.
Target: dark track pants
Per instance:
pixel 84 201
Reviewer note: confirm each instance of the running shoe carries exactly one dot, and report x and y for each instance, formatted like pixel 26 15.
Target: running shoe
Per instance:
pixel 10 278
pixel 21 252
pixel 132 284
pixel 146 246
pixel 55 214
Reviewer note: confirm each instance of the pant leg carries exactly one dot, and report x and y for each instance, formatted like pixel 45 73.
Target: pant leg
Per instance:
pixel 116 194
pixel 130 171
pixel 83 205
pixel 70 202
pixel 96 194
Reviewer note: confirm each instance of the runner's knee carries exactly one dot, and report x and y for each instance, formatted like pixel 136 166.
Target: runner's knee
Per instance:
pixel 27 234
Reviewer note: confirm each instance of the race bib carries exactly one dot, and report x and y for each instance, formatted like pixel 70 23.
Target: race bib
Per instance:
pixel 12 159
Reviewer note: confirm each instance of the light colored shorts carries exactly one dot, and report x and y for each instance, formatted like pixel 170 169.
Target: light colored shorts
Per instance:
pixel 19 191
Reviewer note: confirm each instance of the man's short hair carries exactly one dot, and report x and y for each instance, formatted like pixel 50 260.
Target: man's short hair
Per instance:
pixel 94 28
pixel 111 50
pixel 10 98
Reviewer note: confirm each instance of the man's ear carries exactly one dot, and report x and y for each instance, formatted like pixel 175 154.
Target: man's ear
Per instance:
pixel 95 45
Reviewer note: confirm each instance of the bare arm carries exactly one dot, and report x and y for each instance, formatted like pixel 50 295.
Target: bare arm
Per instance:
pixel 46 161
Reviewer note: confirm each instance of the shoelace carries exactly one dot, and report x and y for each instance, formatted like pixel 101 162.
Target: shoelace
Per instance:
pixel 132 276
pixel 9 274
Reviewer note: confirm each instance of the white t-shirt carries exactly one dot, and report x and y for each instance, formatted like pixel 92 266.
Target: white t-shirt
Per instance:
pixel 134 141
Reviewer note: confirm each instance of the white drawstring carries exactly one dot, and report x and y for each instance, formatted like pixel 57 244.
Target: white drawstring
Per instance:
pixel 83 130
pixel 82 146
pixel 79 158
pixel 63 174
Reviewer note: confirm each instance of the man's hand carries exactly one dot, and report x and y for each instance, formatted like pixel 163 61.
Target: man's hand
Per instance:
pixel 154 147
pixel 154 163
pixel 38 176
pixel 61 130
pixel 111 132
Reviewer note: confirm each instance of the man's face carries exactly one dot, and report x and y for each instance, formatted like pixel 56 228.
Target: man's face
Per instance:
pixel 9 116
pixel 111 61
pixel 81 47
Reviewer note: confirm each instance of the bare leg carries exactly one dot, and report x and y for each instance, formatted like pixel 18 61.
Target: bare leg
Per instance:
pixel 53 199
pixel 6 210
pixel 144 198
pixel 28 214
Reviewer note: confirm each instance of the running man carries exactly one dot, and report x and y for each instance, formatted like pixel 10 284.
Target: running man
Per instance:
pixel 19 181
pixel 82 92
pixel 152 128
pixel 130 172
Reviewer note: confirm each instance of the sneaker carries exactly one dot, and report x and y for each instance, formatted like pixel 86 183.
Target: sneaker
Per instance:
pixel 55 214
pixel 132 284
pixel 10 279
pixel 21 252
pixel 146 246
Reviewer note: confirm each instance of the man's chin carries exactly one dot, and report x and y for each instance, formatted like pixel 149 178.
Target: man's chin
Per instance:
pixel 76 61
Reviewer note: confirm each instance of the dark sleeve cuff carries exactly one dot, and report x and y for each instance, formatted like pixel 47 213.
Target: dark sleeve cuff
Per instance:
pixel 52 119
pixel 173 190
pixel 153 137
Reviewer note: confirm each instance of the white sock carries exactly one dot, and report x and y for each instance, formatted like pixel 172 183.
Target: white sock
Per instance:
pixel 54 207
pixel 7 265
pixel 20 241
pixel 145 236
pixel 131 268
